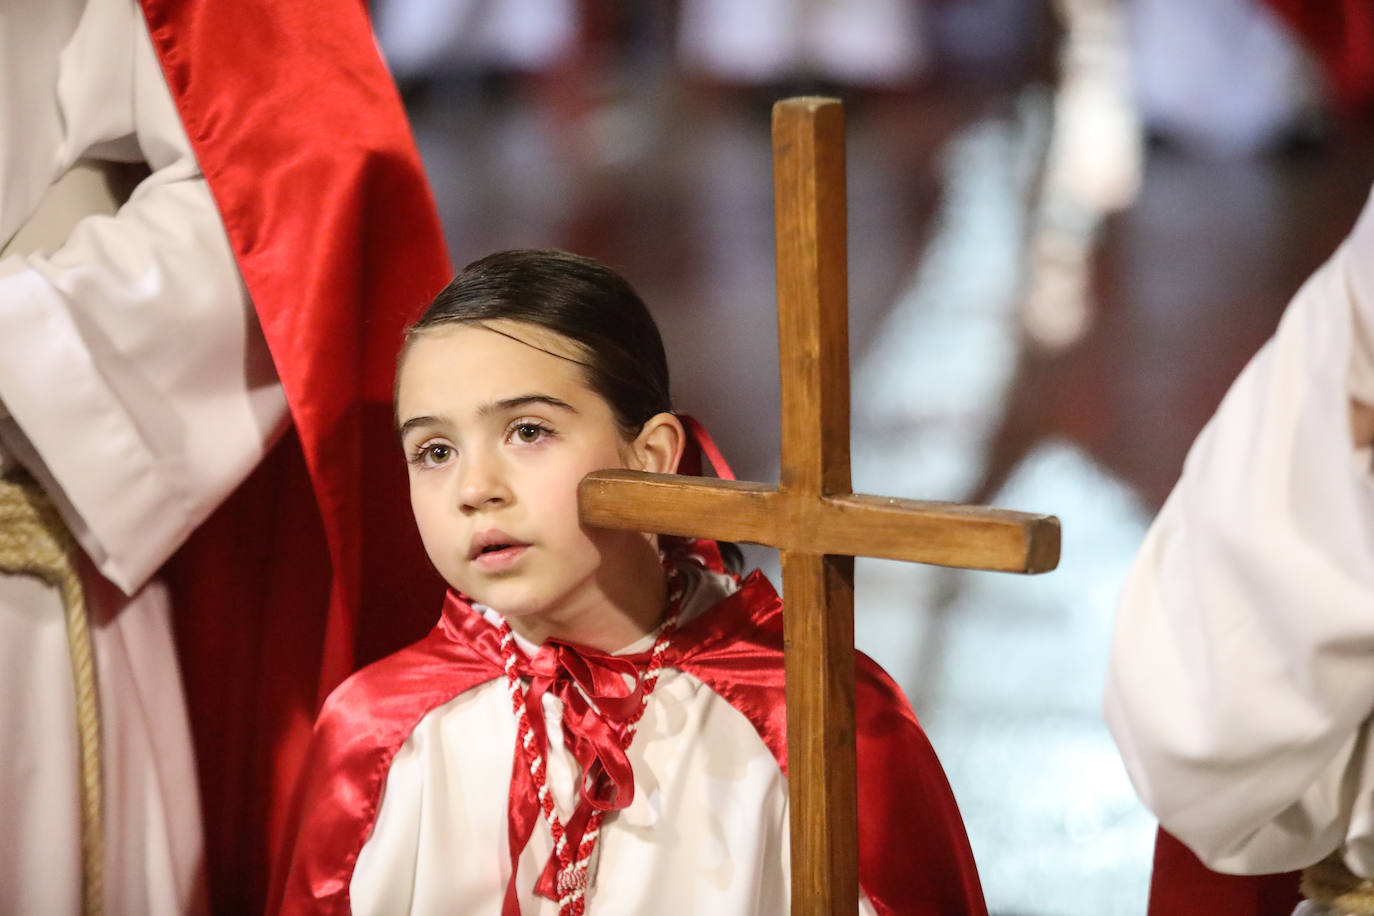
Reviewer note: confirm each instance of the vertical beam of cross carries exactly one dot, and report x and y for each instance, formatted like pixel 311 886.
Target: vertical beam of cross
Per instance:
pixel 818 622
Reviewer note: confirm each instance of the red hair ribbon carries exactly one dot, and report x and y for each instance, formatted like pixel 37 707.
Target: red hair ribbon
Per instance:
pixel 699 444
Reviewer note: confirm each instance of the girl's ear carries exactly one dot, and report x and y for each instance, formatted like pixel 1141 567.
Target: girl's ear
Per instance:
pixel 658 447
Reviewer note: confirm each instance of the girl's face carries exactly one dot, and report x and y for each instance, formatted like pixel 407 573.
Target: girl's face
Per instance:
pixel 498 431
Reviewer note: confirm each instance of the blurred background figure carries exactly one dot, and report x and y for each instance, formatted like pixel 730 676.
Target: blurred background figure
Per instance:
pixel 1228 78
pixel 845 42
pixel 427 37
pixel 1065 241
pixel 1092 168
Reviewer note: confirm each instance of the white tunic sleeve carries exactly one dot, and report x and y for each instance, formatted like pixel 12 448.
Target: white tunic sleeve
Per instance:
pixel 1242 667
pixel 139 386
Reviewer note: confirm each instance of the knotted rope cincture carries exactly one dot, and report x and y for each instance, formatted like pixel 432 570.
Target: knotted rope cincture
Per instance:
pixel 574 876
pixel 35 542
pixel 1336 887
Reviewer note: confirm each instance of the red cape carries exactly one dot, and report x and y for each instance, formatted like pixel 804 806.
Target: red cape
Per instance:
pixel 300 133
pixel 914 856
pixel 1183 886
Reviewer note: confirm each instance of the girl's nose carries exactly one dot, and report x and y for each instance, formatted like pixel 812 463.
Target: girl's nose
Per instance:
pixel 481 484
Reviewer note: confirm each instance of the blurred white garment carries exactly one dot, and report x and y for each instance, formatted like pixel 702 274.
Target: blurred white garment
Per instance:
pixel 1092 167
pixel 136 387
pixel 1222 78
pixel 422 37
pixel 859 42
pixel 1241 682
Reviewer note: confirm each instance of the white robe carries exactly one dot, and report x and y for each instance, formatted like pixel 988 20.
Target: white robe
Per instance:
pixel 135 385
pixel 439 845
pixel 1241 681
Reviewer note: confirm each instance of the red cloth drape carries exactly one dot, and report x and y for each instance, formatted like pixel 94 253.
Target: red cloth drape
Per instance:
pixel 1341 34
pixel 303 140
pixel 1183 886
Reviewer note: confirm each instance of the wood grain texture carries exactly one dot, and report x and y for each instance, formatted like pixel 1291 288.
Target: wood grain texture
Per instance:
pixel 856 525
pixel 942 534
pixel 697 507
pixel 818 639
pixel 818 615
pixel 813 318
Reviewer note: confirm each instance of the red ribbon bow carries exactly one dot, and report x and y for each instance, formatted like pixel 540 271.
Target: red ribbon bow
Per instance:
pixel 600 694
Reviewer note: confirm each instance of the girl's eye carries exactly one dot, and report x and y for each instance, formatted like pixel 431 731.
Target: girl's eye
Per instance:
pixel 432 455
pixel 529 432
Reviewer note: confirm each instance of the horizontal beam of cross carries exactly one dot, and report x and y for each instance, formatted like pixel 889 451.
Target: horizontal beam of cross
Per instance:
pixel 943 534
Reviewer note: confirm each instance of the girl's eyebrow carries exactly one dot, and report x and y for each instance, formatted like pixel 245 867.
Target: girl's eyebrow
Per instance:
pixel 486 410
pixel 413 422
pixel 524 400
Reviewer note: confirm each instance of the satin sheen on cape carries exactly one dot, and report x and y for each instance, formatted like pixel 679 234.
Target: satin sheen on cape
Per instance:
pixel 914 856
pixel 302 138
pixel 1181 885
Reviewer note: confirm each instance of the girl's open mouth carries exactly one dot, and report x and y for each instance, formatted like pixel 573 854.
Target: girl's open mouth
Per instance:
pixel 498 557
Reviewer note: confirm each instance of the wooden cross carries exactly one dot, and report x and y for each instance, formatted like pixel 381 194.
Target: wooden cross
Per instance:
pixel 812 516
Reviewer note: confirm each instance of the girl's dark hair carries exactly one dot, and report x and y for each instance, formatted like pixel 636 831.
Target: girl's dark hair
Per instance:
pixel 581 299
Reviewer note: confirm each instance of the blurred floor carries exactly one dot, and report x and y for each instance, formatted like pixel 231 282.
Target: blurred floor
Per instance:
pixel 952 398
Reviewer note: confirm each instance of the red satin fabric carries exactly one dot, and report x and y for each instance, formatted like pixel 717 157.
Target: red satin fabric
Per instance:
pixel 303 140
pixel 1183 886
pixel 914 856
pixel 574 674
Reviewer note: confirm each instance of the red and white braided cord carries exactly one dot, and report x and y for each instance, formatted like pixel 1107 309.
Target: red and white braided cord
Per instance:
pixel 573 877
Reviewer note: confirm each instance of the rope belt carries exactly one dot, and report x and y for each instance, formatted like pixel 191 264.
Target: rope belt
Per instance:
pixel 1333 885
pixel 35 542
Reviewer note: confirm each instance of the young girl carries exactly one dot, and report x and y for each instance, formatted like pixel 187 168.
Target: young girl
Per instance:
pixel 597 720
